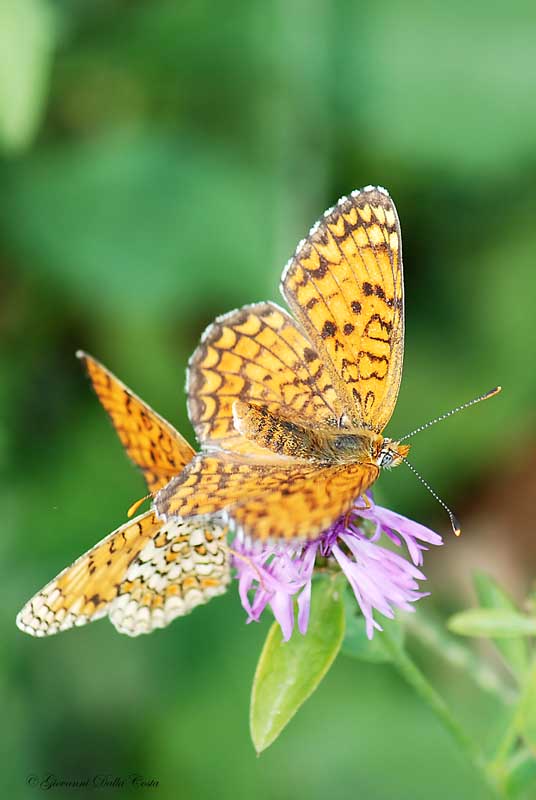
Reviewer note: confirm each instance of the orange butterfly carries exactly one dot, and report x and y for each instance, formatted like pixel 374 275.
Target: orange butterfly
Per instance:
pixel 290 412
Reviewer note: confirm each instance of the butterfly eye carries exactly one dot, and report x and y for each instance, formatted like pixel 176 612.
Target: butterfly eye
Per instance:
pixel 386 458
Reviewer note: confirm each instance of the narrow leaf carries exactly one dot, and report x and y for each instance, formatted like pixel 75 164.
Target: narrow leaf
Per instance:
pixel 492 623
pixel 491 595
pixel 289 672
pixel 26 43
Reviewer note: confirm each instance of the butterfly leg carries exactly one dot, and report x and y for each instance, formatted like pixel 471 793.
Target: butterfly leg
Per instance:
pixel 249 562
pixel 367 505
pixel 352 511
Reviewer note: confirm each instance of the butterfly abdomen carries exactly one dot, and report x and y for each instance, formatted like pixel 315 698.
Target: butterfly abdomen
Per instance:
pixel 284 437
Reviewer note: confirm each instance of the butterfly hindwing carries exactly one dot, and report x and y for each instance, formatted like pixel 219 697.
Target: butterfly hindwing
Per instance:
pixel 256 354
pixel 185 565
pixel 142 575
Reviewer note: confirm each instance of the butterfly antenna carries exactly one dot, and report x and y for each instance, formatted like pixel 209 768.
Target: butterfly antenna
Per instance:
pixel 486 396
pixel 453 521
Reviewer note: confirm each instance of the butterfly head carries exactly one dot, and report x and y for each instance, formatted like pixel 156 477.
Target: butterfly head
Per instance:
pixel 349 447
pixel 387 454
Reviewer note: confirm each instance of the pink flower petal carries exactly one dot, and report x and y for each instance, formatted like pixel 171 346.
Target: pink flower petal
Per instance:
pixel 382 580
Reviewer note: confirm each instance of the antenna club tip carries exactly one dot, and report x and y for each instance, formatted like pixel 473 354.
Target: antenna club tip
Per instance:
pixel 457 532
pixel 456 527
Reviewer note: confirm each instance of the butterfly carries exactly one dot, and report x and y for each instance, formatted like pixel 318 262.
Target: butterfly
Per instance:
pixel 148 571
pixel 290 410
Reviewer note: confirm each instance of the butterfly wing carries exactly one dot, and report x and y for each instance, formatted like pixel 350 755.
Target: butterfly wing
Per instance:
pixel 281 500
pixel 304 506
pixel 256 354
pixel 185 565
pixel 217 480
pixel 152 443
pixel 142 575
pixel 345 286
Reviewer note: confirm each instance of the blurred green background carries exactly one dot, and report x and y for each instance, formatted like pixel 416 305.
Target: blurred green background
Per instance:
pixel 160 160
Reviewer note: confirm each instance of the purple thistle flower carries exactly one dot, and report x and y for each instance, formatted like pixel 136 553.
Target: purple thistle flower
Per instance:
pixel 381 579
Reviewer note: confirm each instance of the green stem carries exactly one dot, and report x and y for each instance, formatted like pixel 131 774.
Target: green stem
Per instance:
pixel 459 656
pixel 409 670
pixel 514 726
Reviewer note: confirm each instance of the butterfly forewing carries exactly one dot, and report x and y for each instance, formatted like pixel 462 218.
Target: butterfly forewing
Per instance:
pixel 217 480
pixel 302 506
pixel 345 286
pixel 151 442
pixel 284 499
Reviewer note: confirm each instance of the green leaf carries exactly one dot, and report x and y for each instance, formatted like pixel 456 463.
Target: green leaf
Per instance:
pixel 26 43
pixel 289 672
pixel 492 623
pixel 491 595
pixel 356 644
pixel 520 782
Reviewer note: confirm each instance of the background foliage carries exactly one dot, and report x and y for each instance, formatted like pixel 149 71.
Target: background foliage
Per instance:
pixel 159 162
